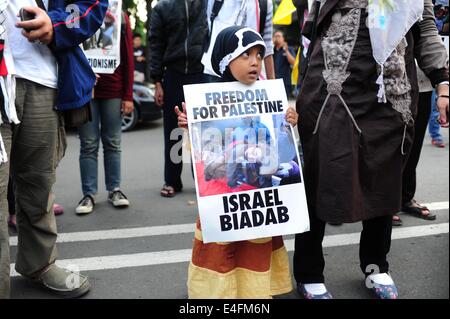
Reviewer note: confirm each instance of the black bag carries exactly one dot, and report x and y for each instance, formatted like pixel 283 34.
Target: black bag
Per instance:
pixel 78 116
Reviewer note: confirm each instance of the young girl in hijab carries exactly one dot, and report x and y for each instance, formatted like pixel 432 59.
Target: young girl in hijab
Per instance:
pixel 252 269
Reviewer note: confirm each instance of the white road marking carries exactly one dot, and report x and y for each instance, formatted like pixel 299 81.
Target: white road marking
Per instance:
pixel 437 205
pixel 152 231
pixel 184 255
pixel 120 233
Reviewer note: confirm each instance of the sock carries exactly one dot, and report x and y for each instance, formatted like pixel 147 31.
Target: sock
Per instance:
pixel 382 279
pixel 315 289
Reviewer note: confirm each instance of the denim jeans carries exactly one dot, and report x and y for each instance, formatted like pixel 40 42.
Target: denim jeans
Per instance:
pixel 106 124
pixel 433 125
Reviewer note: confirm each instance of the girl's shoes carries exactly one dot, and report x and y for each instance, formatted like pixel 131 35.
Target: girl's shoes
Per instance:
pixel 305 294
pixel 383 286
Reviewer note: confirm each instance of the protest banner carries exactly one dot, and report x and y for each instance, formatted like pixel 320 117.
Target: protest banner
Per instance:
pixel 103 49
pixel 246 164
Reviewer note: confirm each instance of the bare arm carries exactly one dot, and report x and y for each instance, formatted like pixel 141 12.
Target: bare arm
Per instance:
pixel 289 56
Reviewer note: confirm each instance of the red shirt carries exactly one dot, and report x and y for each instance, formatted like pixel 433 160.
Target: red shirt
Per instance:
pixel 119 85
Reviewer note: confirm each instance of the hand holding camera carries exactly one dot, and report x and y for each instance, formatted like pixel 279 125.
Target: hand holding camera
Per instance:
pixel 36 25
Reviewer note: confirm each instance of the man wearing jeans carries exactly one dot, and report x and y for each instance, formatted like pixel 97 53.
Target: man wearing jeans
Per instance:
pixel 50 73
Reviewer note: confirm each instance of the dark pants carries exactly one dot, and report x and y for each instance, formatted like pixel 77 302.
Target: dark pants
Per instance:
pixel 374 246
pixel 288 89
pixel 173 95
pixel 420 126
pixel 11 198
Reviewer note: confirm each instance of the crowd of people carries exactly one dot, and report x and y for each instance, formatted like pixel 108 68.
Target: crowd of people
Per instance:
pixel 361 121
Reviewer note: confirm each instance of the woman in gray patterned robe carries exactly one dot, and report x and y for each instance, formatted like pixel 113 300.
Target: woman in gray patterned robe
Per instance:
pixel 354 146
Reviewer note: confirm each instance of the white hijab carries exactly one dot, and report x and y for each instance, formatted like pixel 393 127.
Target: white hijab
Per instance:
pixel 389 21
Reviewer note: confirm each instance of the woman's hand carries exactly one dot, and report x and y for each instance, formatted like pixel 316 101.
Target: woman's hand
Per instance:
pixel 182 116
pixel 127 107
pixel 291 116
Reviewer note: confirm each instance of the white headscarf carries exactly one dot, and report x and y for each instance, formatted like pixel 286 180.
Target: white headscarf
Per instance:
pixel 389 21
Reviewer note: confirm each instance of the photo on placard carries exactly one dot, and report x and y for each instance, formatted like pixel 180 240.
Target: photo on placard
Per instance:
pixel 442 17
pixel 103 48
pixel 247 153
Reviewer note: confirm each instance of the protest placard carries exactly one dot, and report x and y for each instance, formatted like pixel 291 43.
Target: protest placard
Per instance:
pixel 103 49
pixel 246 164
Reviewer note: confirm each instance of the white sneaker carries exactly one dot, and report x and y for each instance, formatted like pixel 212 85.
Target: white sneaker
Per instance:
pixel 86 205
pixel 118 199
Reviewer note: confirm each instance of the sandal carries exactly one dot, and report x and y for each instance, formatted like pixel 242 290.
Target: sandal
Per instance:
pixel 167 191
pixel 396 221
pixel 414 208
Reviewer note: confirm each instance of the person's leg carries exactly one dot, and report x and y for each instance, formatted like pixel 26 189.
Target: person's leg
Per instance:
pixel 420 126
pixel 173 95
pixel 409 172
pixel 287 88
pixel 433 125
pixel 89 134
pixel 5 131
pixel 38 145
pixel 375 244
pixel 309 262
pixel 11 205
pixel 11 198
pixel 36 150
pixel 111 133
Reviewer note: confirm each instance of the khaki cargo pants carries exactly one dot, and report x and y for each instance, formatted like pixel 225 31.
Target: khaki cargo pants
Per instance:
pixel 36 145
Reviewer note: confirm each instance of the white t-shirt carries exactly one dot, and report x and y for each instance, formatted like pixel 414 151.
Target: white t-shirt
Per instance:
pixel 33 62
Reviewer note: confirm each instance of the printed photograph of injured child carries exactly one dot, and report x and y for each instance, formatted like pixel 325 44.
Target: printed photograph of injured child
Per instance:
pixel 242 154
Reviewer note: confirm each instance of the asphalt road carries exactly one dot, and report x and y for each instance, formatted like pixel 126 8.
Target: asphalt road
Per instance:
pixel 147 261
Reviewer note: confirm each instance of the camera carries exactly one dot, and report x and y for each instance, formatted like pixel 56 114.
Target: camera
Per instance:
pixel 25 16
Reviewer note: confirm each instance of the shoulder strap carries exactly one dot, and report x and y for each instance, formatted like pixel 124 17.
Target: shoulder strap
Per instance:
pixel 214 13
pixel 215 10
pixel 262 16
pixel 41 5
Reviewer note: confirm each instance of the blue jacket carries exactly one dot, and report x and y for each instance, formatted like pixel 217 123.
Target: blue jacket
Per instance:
pixel 75 76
